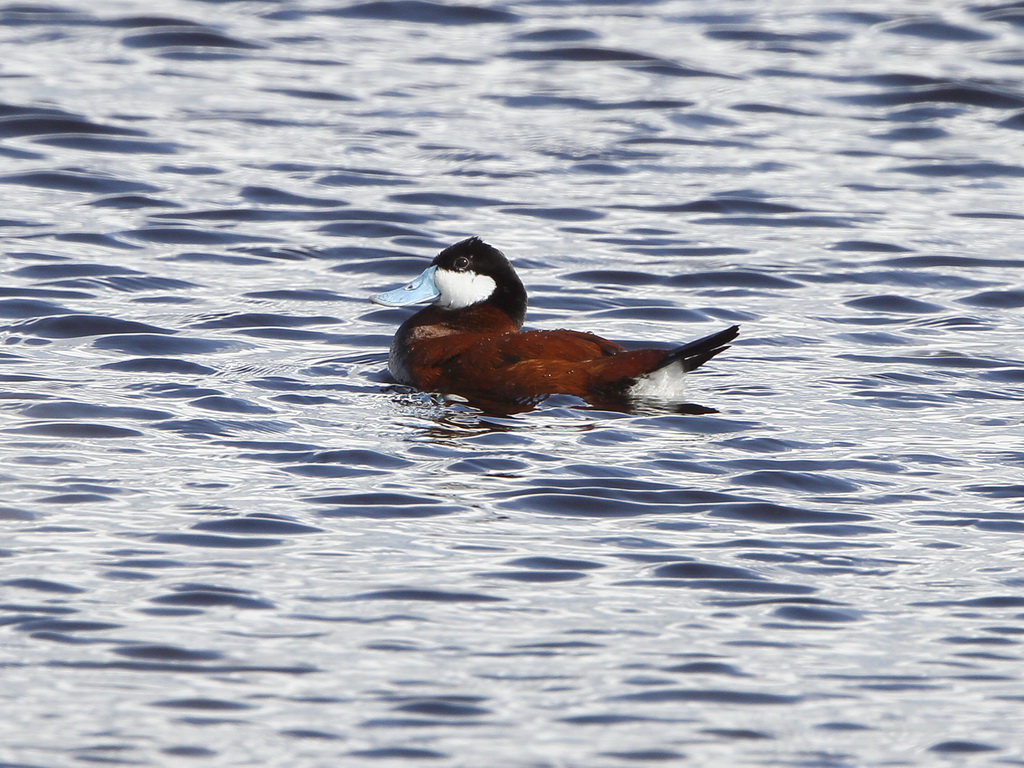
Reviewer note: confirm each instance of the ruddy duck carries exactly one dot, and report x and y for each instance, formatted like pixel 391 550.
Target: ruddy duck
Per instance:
pixel 469 343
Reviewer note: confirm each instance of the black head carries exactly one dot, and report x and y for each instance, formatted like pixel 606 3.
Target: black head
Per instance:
pixel 472 272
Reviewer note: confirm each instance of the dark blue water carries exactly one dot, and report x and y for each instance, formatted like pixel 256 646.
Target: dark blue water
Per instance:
pixel 229 540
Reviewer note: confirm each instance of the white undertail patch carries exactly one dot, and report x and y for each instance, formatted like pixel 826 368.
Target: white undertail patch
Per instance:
pixel 663 384
pixel 462 289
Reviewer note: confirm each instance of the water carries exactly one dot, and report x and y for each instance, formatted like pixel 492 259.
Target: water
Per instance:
pixel 228 540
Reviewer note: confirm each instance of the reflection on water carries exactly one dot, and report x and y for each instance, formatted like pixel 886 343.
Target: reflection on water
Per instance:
pixel 227 536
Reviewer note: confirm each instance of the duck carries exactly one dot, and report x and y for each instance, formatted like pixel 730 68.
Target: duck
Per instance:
pixel 469 343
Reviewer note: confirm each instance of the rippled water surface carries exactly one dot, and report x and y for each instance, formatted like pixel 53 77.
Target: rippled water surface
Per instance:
pixel 228 539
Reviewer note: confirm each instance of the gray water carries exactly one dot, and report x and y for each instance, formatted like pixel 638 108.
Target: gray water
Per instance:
pixel 229 540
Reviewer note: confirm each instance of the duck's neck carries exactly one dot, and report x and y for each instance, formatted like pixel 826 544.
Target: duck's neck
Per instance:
pixel 510 298
pixel 482 318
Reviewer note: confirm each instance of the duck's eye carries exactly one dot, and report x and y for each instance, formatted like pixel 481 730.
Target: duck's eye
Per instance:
pixel 461 263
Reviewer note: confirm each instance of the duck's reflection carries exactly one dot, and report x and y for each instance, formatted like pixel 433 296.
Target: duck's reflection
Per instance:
pixel 459 417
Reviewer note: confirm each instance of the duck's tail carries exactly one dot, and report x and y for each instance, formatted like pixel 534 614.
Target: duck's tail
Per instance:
pixel 664 380
pixel 696 353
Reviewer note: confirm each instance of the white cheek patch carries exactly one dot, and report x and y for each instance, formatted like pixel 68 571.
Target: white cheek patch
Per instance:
pixel 462 289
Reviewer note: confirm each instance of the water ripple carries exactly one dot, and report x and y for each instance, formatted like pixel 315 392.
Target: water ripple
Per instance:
pixel 212 486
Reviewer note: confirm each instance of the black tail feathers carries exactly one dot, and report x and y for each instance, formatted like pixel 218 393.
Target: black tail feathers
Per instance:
pixel 696 353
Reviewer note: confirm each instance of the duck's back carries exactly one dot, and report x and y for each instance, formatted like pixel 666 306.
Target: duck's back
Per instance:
pixel 523 366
